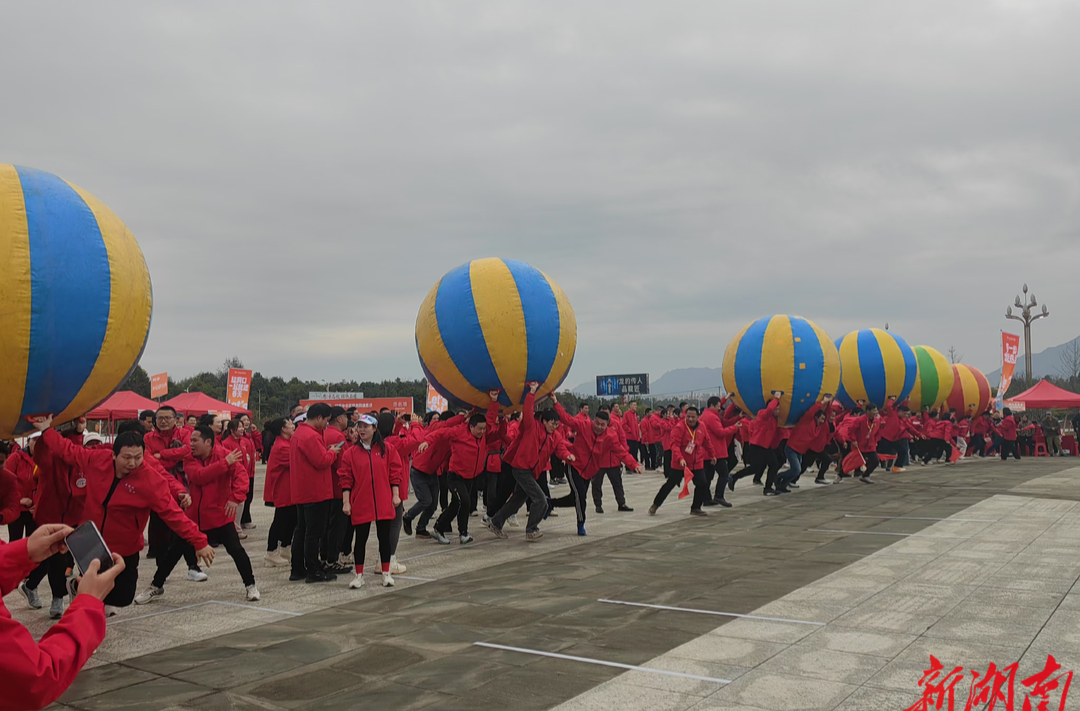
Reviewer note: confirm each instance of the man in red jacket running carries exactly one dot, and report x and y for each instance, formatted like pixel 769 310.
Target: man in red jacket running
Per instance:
pixel 35 674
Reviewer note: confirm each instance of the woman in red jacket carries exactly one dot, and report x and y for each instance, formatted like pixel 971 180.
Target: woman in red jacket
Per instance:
pixel 21 465
pixel 235 437
pixel 35 674
pixel 371 475
pixel 218 486
pixel 277 491
pixel 1008 431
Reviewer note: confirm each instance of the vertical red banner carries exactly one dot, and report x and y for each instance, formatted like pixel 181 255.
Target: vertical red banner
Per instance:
pixel 238 387
pixel 159 385
pixel 435 401
pixel 1010 348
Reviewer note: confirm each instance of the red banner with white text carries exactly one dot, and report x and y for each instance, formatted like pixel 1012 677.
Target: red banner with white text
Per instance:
pixel 238 388
pixel 1010 348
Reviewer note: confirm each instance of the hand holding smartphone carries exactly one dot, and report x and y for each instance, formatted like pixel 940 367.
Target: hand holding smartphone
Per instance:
pixel 87 545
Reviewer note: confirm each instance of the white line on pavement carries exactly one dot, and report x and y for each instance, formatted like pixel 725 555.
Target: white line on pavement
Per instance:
pixel 601 662
pixel 200 604
pixel 926 518
pixel 713 612
pixel 879 533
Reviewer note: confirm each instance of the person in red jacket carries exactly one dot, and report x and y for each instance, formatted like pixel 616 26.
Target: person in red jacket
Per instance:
pixel 610 466
pixel 277 491
pixel 121 491
pixel 247 428
pixel 310 461
pixel 691 448
pixel 862 433
pixel 169 445
pixel 371 478
pixel 527 455
pixel 934 431
pixel 632 430
pixel 762 456
pixel 35 674
pixel 980 427
pixel 891 430
pixel 217 484
pixel 337 523
pixel 424 473
pixel 594 441
pixel 1008 431
pixel 720 436
pixel 468 458
pixel 233 437
pixel 801 439
pixel 21 465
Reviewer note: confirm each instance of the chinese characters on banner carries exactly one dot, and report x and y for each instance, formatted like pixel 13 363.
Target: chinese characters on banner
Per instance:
pixel 435 401
pixel 993 689
pixel 238 387
pixel 1010 348
pixel 159 385
pixel 616 385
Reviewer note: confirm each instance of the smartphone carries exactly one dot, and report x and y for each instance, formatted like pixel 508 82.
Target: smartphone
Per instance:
pixel 86 544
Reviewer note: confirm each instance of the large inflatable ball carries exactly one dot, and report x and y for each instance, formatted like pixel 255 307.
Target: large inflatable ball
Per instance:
pixel 970 393
pixel 874 366
pixel 933 381
pixel 495 324
pixel 785 353
pixel 75 297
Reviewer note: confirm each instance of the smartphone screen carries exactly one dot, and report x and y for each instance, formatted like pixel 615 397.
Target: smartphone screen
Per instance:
pixel 86 544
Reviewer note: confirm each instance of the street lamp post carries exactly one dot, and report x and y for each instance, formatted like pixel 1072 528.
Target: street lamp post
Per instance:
pixel 1027 317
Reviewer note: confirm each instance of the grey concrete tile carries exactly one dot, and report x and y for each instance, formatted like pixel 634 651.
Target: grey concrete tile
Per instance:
pixel 781 692
pixel 978 622
pixel 245 668
pixel 380 695
pixel 178 659
pixel 903 672
pixel 718 649
pixel 766 630
pixel 1061 633
pixel 303 686
pixel 150 695
pixel 629 697
pixel 856 641
pixel 102 680
pixel 815 663
pixel 870 699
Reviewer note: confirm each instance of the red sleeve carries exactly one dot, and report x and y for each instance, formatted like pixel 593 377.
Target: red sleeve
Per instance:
pixel 577 423
pixel 314 450
pixel 396 468
pixel 10 496
pixel 62 447
pixel 345 473
pixel 492 415
pixel 562 451
pixel 240 483
pixel 35 674
pixel 619 450
pixel 15 565
pixel 203 474
pixel 166 507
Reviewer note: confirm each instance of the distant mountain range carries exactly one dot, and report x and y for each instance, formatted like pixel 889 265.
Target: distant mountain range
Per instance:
pixel 681 381
pixel 1043 363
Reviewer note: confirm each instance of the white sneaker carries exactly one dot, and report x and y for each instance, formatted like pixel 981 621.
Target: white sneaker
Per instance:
pixel 110 611
pixel 197 576
pixel 56 610
pixel 387 580
pixel 149 594
pixel 252 593
pixel 395 567
pixel 512 522
pixel 274 560
pixel 286 552
pixel 357 582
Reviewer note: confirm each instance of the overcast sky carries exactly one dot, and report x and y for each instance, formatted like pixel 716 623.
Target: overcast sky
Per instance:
pixel 300 174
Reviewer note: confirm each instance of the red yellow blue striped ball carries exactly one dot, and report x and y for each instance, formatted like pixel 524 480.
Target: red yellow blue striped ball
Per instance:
pixel 874 366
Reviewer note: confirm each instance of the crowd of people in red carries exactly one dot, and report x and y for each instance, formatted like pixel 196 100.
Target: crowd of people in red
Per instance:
pixel 332 473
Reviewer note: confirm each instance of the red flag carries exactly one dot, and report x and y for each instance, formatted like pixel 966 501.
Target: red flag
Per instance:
pixel 954 456
pixel 853 461
pixel 687 477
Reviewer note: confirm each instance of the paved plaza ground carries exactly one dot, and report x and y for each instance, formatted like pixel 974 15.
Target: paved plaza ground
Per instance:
pixel 974 563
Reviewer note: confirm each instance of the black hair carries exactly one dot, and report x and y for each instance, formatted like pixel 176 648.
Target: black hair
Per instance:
pixel 443 417
pixel 714 400
pixel 871 406
pixel 1005 412
pixel 648 410
pixel 318 410
pixel 207 420
pixel 514 416
pixel 857 411
pixel 205 432
pixel 904 408
pixel 683 404
pixel 275 426
pixel 477 419
pixel 429 416
pixel 336 411
pixel 230 427
pixel 386 424
pixel 549 416
pixel 602 415
pixel 130 426
pixel 384 409
pixel 170 408
pixel 694 408
pixel 147 413
pixel 128 439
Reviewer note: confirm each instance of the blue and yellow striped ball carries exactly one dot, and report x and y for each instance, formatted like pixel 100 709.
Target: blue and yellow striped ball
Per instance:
pixel 76 299
pixel 875 365
pixel 495 324
pixel 786 353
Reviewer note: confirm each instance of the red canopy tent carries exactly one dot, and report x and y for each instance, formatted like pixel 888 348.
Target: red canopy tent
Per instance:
pixel 121 405
pixel 1044 396
pixel 201 404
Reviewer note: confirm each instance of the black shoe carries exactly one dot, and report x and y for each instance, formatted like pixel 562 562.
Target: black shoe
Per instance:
pixel 793 485
pixel 406 523
pixel 770 492
pixel 599 508
pixel 624 507
pixel 757 480
pixel 822 481
pixel 338 568
pixel 320 577
pixel 711 503
pixel 296 576
pixel 422 534
pixel 731 483
pixel 783 490
pixel 723 502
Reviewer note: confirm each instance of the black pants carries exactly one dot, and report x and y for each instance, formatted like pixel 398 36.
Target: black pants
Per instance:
pixel 977 446
pixel 55 566
pixel 935 449
pixel 720 472
pixel 674 479
pixel 762 461
pixel 463 492
pixel 310 528
pixel 559 469
pixel 635 449
pixel 363 530
pixel 444 493
pixel 615 475
pixel 872 462
pixel 1009 447
pixel 21 527
pixel 158 536
pixel 245 517
pixel 281 530
pixel 500 486
pixel 225 535
pixel 667 462
pixel 526 489
pixel 336 525
pixel 578 496
pixel 427 489
pixel 123 592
